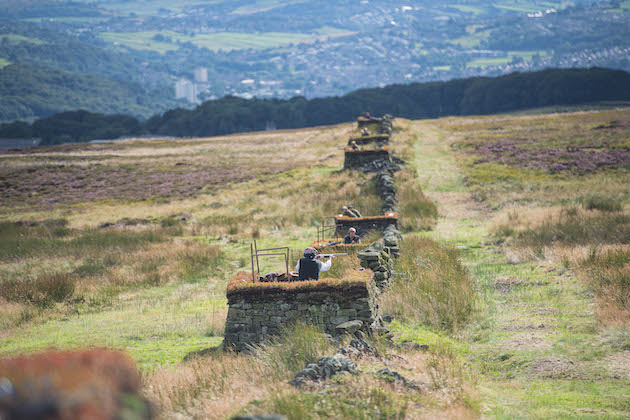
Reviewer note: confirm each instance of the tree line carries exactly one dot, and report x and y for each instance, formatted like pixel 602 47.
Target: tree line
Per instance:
pixel 471 96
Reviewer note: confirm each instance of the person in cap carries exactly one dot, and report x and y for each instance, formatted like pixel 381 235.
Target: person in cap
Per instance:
pixel 309 267
pixel 352 237
pixel 346 212
pixel 354 145
pixel 354 211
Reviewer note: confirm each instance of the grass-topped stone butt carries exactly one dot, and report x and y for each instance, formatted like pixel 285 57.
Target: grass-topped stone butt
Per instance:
pixel 259 310
pixel 365 224
pixel 362 158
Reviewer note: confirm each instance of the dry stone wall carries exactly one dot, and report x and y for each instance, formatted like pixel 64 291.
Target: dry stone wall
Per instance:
pixel 254 316
pixel 360 159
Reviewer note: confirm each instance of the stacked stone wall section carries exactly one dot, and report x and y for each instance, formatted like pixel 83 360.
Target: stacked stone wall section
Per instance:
pixel 358 159
pixel 253 317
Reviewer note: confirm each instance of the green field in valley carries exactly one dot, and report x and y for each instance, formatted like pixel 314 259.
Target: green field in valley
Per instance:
pixel 497 61
pixel 219 41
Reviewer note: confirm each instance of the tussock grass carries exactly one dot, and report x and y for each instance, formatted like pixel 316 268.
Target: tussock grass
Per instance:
pixel 42 291
pixel 434 287
pixel 217 386
pixel 341 265
pixel 52 238
pixel 608 273
pixel 416 211
pixel 599 202
pixel 575 227
pixel 298 345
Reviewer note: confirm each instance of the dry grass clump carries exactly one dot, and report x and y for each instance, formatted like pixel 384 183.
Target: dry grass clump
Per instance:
pixel 43 290
pixel 434 287
pixel 352 279
pixel 416 211
pixel 341 266
pixel 216 387
pixel 294 199
pixel 225 384
pixel 602 203
pixel 608 273
pixel 573 226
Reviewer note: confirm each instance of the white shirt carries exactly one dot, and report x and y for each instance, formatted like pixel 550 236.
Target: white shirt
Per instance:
pixel 323 266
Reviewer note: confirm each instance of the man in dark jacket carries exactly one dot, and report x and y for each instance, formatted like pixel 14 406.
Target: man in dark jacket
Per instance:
pixel 352 237
pixel 309 267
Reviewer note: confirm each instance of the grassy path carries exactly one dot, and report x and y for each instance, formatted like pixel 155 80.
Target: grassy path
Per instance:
pixel 534 346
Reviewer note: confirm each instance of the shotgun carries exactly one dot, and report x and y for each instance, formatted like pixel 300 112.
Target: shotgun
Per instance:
pixel 331 255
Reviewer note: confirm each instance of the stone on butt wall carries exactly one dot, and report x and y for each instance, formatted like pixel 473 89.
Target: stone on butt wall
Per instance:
pixel 378 257
pixel 357 159
pixel 253 317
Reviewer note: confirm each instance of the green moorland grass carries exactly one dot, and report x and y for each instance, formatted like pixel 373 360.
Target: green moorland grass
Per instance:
pixel 161 296
pixel 434 288
pixel 535 343
pixel 529 346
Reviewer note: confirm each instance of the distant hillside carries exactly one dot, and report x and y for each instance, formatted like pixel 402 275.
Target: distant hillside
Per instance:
pixel 29 43
pixel 479 95
pixel 28 91
pixel 56 72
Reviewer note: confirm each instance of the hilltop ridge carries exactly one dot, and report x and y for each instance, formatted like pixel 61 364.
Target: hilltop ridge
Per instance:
pixel 517 91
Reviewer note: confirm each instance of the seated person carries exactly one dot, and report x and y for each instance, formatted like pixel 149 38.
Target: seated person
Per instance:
pixel 354 145
pixel 347 213
pixel 352 237
pixel 309 267
pixel 354 211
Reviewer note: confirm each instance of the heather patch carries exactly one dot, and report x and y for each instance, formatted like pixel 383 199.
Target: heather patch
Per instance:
pixel 577 159
pixel 544 159
pixel 51 185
